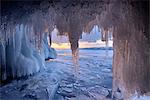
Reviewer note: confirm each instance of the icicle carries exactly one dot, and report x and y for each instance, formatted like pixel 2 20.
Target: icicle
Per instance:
pixel 5 32
pixel 32 35
pixel 11 31
pixel 76 63
pixel 8 33
pixel 30 32
pixel 50 38
pixel 13 40
pixel 106 37
pixel 4 77
pixel 14 30
pixel 103 35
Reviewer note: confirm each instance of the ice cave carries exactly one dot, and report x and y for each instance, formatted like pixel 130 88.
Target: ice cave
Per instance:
pixel 75 50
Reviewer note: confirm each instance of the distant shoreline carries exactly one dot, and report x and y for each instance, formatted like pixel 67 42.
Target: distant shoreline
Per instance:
pixel 90 48
pixel 85 45
pixel 97 48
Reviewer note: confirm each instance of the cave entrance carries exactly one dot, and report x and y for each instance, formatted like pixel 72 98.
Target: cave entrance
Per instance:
pixel 59 41
pixel 25 26
pixel 96 57
pixel 94 69
pixel 62 45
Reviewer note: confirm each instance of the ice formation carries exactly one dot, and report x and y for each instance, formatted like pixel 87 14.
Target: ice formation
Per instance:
pixel 20 57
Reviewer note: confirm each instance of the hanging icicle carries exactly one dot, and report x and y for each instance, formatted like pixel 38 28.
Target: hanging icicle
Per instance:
pixel 103 35
pixel 105 38
pixel 75 59
pixel 3 61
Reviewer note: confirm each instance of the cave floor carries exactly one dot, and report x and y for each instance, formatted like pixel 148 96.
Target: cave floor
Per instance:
pixel 57 81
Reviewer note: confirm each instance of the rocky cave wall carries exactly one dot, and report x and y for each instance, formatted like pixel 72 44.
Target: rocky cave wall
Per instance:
pixel 131 63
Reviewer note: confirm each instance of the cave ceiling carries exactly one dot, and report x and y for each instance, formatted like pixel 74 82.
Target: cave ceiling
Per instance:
pixel 72 16
pixel 69 16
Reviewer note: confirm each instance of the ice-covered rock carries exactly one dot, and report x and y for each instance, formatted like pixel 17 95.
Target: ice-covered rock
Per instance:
pixel 137 96
pixel 99 90
pixel 118 96
pixel 19 56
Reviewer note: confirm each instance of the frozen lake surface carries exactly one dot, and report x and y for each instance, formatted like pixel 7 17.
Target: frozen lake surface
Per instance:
pixel 57 81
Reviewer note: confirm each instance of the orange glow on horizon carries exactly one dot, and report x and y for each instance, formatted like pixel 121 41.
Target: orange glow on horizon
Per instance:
pixel 81 45
pixel 61 45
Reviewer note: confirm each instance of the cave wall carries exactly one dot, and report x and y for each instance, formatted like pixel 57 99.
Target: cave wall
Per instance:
pixel 131 63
